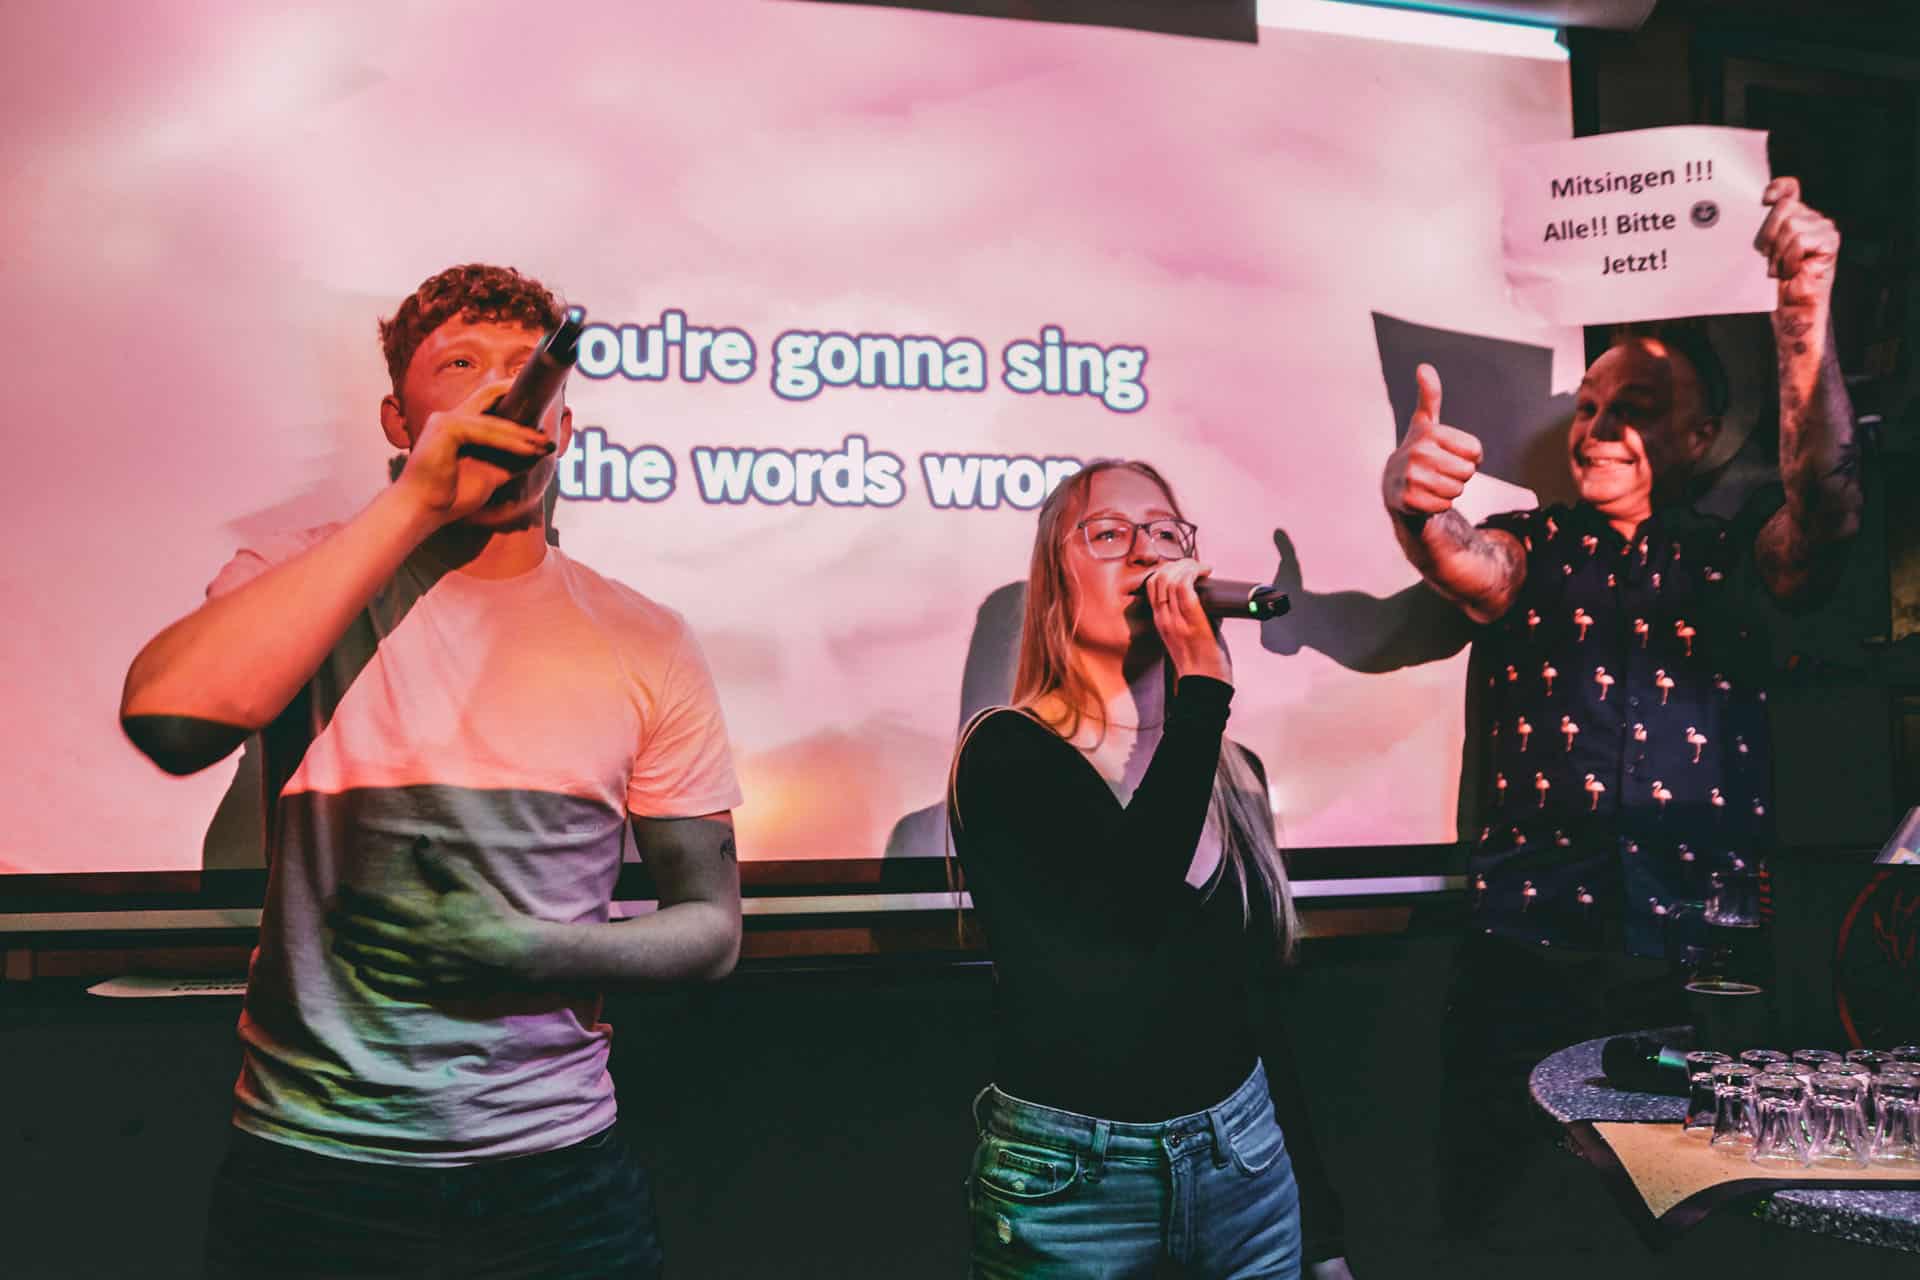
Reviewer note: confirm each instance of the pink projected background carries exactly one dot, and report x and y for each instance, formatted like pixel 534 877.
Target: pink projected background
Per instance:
pixel 207 207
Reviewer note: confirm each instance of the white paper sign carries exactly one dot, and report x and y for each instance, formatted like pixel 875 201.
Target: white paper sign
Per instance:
pixel 1643 225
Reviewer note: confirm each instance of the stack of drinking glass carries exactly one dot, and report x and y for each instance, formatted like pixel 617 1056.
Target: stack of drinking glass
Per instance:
pixel 1812 1108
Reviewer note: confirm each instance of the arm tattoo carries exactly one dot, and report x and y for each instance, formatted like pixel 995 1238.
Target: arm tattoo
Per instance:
pixel 1820 467
pixel 1847 463
pixel 1453 527
pixel 1479 570
pixel 1781 553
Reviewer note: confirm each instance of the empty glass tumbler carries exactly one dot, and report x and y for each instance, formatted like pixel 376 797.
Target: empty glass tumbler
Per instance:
pixel 1733 896
pixel 1896 1120
pixel 1736 1129
pixel 1700 1103
pixel 1781 1141
pixel 1837 1121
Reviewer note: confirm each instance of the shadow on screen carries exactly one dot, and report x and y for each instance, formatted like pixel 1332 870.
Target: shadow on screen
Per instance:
pixel 1499 390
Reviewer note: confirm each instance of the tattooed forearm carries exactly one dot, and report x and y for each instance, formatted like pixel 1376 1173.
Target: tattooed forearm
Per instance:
pixel 1478 569
pixel 1791 333
pixel 1820 460
pixel 1819 454
pixel 1847 460
pixel 1796 573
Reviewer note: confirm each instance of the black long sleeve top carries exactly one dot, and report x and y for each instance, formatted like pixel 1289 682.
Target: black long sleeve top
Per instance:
pixel 1121 990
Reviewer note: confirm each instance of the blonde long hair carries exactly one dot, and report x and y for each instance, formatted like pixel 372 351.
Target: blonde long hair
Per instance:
pixel 1048 665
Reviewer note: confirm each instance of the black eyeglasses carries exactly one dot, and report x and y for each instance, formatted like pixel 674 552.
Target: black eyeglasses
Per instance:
pixel 1111 538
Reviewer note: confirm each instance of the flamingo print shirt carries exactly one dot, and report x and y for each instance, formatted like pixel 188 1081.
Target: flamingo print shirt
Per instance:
pixel 1619 709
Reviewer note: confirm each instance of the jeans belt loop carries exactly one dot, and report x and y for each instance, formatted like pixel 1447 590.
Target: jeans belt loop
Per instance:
pixel 978 1098
pixel 1219 1126
pixel 1097 1150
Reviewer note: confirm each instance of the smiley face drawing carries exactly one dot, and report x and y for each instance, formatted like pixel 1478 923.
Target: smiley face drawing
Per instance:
pixel 1705 213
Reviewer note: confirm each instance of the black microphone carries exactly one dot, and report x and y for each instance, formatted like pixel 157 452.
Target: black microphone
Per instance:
pixel 534 388
pixel 1644 1065
pixel 1225 598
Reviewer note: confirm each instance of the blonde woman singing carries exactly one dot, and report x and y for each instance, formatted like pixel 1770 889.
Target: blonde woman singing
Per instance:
pixel 1122 858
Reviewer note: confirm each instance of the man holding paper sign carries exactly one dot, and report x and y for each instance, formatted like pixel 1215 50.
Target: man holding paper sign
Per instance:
pixel 1622 657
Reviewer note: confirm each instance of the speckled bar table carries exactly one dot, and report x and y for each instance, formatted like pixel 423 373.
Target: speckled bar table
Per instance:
pixel 1569 1087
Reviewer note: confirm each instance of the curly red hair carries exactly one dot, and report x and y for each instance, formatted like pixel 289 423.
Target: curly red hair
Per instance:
pixel 473 292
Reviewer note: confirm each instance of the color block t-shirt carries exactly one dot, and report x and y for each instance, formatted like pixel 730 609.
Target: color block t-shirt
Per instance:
pixel 514 724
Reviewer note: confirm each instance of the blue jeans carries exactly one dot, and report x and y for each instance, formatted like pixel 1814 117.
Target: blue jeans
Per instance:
pixel 583 1211
pixel 1055 1194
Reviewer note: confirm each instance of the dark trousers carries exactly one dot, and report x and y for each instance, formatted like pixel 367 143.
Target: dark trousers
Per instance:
pixel 582 1212
pixel 1510 1005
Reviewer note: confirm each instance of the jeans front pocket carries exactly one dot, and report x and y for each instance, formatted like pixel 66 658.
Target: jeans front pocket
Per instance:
pixel 1021 1171
pixel 1257 1144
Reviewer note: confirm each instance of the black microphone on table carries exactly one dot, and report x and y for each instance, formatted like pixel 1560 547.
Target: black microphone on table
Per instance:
pixel 1225 598
pixel 1644 1065
pixel 534 388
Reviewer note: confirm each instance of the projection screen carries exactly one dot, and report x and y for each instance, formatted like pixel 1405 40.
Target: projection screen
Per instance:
pixel 902 271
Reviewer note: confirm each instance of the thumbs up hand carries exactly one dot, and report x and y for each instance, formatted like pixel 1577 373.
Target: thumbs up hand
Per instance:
pixel 1434 462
